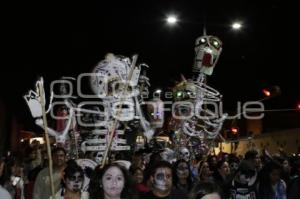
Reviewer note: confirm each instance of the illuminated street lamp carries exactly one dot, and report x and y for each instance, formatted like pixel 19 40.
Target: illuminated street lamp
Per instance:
pixel 236 26
pixel 171 19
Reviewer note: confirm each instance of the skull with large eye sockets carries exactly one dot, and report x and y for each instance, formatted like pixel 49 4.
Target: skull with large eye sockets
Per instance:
pixel 207 51
pixel 123 110
pixel 184 154
pixel 109 77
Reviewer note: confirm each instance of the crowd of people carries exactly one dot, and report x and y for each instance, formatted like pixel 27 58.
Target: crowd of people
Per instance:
pixel 150 176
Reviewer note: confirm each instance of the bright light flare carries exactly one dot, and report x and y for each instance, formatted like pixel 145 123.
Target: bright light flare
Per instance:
pixel 266 93
pixel 236 25
pixel 172 20
pixel 158 91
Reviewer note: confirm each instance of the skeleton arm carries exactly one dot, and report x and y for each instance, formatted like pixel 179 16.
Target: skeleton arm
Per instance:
pixel 145 124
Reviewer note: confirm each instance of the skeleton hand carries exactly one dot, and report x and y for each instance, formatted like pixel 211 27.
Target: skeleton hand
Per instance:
pixel 33 101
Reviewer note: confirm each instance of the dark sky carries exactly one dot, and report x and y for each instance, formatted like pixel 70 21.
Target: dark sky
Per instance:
pixel 54 39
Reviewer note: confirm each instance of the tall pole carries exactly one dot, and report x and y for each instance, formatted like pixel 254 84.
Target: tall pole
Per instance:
pixel 42 100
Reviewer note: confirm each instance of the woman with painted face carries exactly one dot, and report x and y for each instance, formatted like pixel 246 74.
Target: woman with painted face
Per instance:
pixel 72 183
pixel 161 177
pixel 111 182
pixel 182 176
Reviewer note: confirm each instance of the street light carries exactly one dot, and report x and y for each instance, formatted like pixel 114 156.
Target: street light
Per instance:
pixel 172 19
pixel 236 25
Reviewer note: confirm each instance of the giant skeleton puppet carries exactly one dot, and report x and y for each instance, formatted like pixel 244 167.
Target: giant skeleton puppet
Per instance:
pixel 117 81
pixel 66 125
pixel 193 97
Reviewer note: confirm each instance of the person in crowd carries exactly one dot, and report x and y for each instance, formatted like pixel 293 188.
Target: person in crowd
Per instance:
pixel 244 183
pixel 206 190
pixel 162 183
pixel 270 184
pixel 233 162
pixel 195 167
pixel 182 177
pixel 253 158
pixel 286 169
pixel 212 161
pixel 4 194
pixel 138 179
pixel 42 184
pixel 111 182
pixel 137 160
pixel 205 174
pixel 293 189
pixel 221 175
pixel 72 183
pixel 14 178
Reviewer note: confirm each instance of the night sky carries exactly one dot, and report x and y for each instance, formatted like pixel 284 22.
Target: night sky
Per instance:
pixel 54 39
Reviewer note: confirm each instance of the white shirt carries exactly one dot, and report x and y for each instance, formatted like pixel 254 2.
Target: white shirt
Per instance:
pixel 84 195
pixel 4 193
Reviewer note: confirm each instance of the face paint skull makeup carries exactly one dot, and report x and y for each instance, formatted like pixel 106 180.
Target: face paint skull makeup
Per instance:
pixel 113 182
pixel 163 179
pixel 74 182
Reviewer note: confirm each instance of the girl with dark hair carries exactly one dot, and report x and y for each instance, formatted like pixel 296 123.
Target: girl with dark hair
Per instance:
pixel 72 182
pixel 222 176
pixel 110 182
pixel 182 176
pixel 139 182
pixel 205 174
pixel 270 184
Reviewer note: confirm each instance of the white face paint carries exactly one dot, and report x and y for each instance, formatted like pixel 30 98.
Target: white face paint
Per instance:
pixel 113 182
pixel 163 179
pixel 74 182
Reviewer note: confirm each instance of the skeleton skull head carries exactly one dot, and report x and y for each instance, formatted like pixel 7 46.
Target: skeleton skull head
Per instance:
pixel 184 154
pixel 123 110
pixel 207 49
pixel 109 77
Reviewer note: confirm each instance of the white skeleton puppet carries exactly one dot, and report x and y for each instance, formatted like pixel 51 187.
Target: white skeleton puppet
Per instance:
pixel 195 100
pixel 33 100
pixel 115 81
